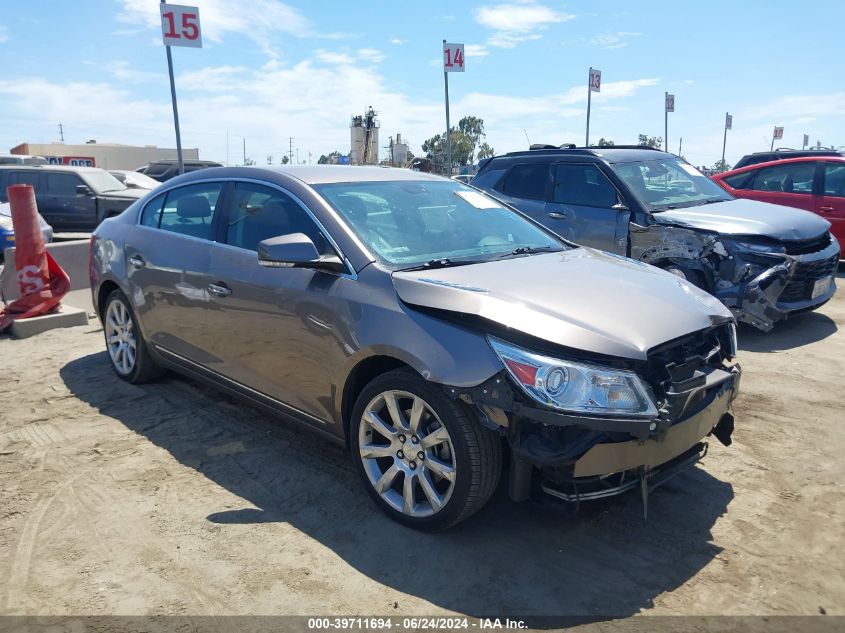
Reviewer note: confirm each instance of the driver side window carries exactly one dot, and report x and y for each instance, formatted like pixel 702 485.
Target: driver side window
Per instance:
pixel 583 185
pixel 258 213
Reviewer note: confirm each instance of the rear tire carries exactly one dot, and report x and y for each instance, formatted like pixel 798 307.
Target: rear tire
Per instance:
pixel 424 458
pixel 127 349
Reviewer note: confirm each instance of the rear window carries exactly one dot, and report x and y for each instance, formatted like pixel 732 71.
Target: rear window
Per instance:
pixel 739 181
pixel 527 181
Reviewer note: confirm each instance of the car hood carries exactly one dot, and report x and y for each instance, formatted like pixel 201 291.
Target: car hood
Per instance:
pixel 580 298
pixel 748 217
pixel 125 194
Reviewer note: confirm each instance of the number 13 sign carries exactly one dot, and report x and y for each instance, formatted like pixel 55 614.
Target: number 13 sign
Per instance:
pixel 180 25
pixel 453 58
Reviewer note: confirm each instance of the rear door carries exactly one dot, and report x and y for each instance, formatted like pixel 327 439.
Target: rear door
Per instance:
pixel 167 261
pixel 277 331
pixel 65 207
pixel 788 183
pixel 526 188
pixel 585 208
pixel 831 203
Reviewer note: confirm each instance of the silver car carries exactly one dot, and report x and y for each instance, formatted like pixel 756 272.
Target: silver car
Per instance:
pixel 425 326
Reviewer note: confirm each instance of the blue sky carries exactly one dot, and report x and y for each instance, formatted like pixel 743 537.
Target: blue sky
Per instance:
pixel 271 70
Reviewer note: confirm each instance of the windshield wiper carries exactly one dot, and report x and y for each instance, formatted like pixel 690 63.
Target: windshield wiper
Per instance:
pixel 529 250
pixel 443 262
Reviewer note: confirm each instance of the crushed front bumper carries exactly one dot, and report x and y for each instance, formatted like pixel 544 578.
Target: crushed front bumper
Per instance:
pixel 796 284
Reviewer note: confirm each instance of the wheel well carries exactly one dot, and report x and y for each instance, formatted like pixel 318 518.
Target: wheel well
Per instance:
pixel 105 290
pixel 361 375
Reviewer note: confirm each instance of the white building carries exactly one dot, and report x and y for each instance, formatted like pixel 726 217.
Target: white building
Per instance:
pixel 105 155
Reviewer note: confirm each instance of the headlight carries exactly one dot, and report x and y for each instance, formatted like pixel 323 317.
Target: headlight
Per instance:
pixel 6 223
pixel 763 249
pixel 576 387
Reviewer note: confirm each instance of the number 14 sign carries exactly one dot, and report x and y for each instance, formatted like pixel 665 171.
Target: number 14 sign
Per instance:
pixel 180 25
pixel 453 58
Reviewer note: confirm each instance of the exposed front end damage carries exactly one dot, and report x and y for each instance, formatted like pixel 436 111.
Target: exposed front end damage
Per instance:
pixel 761 280
pixel 577 457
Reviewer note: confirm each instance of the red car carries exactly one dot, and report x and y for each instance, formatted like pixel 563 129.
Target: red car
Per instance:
pixel 815 183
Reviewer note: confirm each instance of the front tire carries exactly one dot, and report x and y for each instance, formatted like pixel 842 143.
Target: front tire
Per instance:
pixel 424 458
pixel 127 349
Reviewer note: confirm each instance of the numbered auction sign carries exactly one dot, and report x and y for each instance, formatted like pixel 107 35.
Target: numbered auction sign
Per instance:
pixel 453 58
pixel 595 80
pixel 180 25
pixel 778 132
pixel 670 103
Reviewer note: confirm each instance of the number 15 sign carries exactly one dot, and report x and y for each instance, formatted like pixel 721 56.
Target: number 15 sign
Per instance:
pixel 453 58
pixel 180 25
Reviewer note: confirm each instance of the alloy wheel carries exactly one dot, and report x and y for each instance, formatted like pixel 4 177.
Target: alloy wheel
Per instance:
pixel 120 337
pixel 407 453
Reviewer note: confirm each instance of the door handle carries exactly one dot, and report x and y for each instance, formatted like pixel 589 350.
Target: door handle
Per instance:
pixel 555 215
pixel 219 290
pixel 826 209
pixel 137 261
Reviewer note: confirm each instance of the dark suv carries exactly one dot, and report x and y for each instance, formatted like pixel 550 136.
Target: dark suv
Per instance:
pixel 780 154
pixel 166 169
pixel 763 261
pixel 71 198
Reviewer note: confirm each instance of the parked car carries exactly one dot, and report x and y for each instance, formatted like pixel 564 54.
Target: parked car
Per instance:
pixel 422 324
pixel 782 154
pixel 163 170
pixel 71 198
pixel 134 179
pixel 464 178
pixel 22 159
pixel 765 262
pixel 7 229
pixel 815 183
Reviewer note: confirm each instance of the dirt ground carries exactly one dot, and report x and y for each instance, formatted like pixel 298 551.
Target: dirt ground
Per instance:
pixel 171 498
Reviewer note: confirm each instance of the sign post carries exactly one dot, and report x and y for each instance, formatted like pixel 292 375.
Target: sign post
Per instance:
pixel 593 85
pixel 806 141
pixel 670 107
pixel 453 62
pixel 776 136
pixel 729 121
pixel 180 26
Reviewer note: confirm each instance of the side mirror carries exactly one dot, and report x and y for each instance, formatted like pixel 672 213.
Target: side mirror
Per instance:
pixel 296 251
pixel 84 190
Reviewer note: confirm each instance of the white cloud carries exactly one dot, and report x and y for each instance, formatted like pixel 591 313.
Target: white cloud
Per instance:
pixel 476 50
pixel 620 39
pixel 259 20
pixel 370 55
pixel 517 21
pixel 397 40
pixel 330 57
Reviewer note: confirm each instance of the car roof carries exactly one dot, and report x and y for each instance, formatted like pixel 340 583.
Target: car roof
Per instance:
pixel 324 174
pixel 781 162
pixel 610 154
pixel 52 168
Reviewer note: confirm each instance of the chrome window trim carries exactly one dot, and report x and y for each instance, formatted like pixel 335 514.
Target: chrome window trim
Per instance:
pixel 352 274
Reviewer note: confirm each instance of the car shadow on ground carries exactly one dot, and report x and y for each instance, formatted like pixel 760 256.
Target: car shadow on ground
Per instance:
pixel 604 561
pixel 797 331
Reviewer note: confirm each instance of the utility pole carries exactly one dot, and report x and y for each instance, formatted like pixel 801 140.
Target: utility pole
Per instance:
pixel 61 132
pixel 297 156
pixel 680 145
pixel 290 149
pixel 244 151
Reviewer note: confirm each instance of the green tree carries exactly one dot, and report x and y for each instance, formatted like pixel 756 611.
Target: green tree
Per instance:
pixel 720 166
pixel 466 138
pixel 285 160
pixel 485 151
pixel 650 141
pixel 603 142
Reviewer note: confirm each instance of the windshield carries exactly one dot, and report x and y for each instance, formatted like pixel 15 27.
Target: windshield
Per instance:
pixel 669 183
pixel 102 181
pixel 408 223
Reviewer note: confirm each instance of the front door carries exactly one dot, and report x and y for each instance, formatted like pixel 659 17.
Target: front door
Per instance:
pixel 585 208
pixel 64 207
pixel 277 331
pixel 831 204
pixel 167 259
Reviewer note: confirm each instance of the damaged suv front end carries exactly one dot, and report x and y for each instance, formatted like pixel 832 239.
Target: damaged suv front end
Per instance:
pixel 765 262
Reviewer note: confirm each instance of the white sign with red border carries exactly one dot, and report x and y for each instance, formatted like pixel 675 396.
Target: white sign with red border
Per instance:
pixel 778 133
pixel 595 80
pixel 453 58
pixel 180 25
